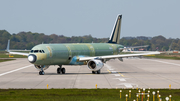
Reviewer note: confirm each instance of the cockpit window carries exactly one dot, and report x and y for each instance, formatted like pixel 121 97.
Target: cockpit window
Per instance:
pixel 37 51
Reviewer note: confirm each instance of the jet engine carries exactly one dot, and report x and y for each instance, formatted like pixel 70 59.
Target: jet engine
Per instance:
pixel 41 67
pixel 95 65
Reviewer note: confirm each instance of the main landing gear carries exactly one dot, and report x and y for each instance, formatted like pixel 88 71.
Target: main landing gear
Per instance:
pixel 61 70
pixel 98 72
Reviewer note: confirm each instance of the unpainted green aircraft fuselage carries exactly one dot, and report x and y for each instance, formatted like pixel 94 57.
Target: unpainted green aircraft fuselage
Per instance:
pixel 68 54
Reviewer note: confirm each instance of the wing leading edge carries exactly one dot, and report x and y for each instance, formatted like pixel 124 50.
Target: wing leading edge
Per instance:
pixel 116 56
pixel 18 53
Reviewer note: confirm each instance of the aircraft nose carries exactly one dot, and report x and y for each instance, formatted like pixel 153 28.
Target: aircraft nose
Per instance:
pixel 32 58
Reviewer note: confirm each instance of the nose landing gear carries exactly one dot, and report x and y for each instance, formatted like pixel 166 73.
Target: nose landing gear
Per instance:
pixel 41 72
pixel 41 68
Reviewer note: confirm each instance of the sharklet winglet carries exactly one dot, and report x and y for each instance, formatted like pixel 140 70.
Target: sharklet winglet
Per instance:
pixel 7 49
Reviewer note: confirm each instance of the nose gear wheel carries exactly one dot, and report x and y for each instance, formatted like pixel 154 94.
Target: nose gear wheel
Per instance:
pixel 41 73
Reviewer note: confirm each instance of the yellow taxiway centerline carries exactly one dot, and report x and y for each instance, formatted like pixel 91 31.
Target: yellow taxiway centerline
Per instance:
pixel 121 75
pixel 108 71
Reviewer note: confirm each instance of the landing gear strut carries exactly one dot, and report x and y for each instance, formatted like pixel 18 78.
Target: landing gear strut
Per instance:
pixel 61 70
pixel 98 72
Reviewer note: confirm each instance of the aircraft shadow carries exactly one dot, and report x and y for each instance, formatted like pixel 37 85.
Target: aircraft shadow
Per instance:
pixel 77 73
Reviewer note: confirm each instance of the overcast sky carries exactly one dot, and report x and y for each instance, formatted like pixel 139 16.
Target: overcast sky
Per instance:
pixel 95 17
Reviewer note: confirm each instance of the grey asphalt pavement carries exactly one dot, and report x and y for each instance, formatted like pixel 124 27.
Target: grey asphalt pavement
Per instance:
pixel 132 73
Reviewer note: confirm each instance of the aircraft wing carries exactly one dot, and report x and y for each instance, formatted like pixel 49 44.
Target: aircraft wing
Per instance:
pixel 116 56
pixel 18 53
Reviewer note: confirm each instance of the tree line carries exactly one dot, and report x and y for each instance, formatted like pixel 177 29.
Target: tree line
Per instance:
pixel 26 40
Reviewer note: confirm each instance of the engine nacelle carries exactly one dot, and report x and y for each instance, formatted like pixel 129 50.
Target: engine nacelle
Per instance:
pixel 95 65
pixel 40 67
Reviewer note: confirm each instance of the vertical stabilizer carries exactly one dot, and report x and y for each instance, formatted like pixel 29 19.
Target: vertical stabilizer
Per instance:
pixel 115 35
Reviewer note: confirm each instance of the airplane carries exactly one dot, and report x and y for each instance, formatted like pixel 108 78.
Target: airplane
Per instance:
pixel 94 55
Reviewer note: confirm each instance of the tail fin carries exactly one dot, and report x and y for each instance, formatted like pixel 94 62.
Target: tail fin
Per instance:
pixel 7 49
pixel 115 35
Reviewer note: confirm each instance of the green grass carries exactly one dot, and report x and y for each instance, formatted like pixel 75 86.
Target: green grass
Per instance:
pixel 3 60
pixel 79 94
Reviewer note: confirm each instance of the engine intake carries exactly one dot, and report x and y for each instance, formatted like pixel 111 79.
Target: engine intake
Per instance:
pixel 95 65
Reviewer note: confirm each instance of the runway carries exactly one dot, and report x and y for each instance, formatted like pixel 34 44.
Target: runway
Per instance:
pixel 132 73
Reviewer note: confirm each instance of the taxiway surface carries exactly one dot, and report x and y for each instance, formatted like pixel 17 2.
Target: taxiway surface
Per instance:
pixel 133 72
